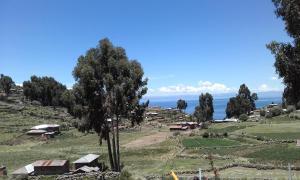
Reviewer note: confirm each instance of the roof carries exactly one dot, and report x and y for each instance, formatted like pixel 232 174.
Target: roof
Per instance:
pixel 87 169
pixel 41 163
pixel 87 158
pixel 36 131
pixel 24 170
pixel 45 126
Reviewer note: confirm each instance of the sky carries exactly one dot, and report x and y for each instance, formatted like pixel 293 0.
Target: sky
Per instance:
pixel 185 47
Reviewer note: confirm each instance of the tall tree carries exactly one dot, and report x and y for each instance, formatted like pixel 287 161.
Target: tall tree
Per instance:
pixel 287 55
pixel 243 103
pixel 46 90
pixel 181 104
pixel 6 83
pixel 111 87
pixel 205 110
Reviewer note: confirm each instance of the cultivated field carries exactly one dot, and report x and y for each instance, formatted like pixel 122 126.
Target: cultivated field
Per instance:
pixel 153 150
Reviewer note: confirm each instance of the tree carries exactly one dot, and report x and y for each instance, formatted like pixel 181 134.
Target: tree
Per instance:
pixel 287 55
pixel 181 104
pixel 110 86
pixel 46 90
pixel 6 83
pixel 243 103
pixel 205 110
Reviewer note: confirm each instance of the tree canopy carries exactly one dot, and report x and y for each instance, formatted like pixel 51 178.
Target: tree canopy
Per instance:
pixel 243 103
pixel 205 110
pixel 108 86
pixel 6 83
pixel 46 90
pixel 287 55
pixel 181 104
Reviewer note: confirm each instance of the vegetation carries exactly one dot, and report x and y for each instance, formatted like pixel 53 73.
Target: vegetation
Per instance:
pixel 205 110
pixel 46 90
pixel 243 117
pixel 211 142
pixel 243 103
pixel 111 87
pixel 6 83
pixel 287 55
pixel 181 104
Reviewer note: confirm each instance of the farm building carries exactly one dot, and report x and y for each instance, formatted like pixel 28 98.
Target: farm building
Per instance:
pixel 3 171
pixel 190 125
pixel 90 160
pixel 86 169
pixel 50 167
pixel 36 132
pixel 47 127
pixel 24 171
pixel 178 128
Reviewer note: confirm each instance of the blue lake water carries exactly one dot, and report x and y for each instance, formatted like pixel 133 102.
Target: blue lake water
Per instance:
pixel 219 104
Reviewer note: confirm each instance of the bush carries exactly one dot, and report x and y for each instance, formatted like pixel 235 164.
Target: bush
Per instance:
pixel 262 113
pixel 290 109
pixel 298 105
pixel 269 115
pixel 243 117
pixel 225 134
pixel 205 135
pixel 275 111
pixel 125 175
pixel 176 133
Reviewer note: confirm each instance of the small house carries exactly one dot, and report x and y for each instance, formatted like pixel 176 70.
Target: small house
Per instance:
pixel 50 167
pixel 90 160
pixel 178 128
pixel 23 171
pixel 86 169
pixel 47 127
pixel 36 132
pixel 298 143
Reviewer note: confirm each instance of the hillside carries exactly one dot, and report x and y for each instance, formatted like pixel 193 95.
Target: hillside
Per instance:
pixel 241 149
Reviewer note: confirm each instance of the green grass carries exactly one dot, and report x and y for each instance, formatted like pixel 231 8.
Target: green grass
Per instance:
pixel 280 136
pixel 208 142
pixel 277 154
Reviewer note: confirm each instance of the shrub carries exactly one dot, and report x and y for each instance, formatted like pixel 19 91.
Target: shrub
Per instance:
pixel 243 117
pixel 225 134
pixel 262 113
pixel 176 133
pixel 269 115
pixel 205 135
pixel 298 105
pixel 125 175
pixel 205 125
pixel 275 111
pixel 290 109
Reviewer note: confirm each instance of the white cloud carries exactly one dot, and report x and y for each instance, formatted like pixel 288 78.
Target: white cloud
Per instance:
pixel 265 88
pixel 203 86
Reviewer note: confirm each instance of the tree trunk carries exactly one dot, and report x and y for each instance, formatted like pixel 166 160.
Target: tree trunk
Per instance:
pixel 114 147
pixel 109 151
pixel 118 147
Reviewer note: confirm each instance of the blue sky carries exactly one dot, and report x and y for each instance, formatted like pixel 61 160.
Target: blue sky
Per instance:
pixel 185 47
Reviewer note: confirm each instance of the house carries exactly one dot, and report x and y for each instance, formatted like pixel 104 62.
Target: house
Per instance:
pixel 86 169
pixel 47 127
pixel 90 160
pixel 23 171
pixel 50 167
pixel 298 143
pixel 178 128
pixel 3 171
pixel 36 132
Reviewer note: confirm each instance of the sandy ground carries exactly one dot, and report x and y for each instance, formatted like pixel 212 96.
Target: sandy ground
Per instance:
pixel 148 140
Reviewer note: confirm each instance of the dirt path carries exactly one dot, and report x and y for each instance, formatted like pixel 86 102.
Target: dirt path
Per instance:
pixel 148 140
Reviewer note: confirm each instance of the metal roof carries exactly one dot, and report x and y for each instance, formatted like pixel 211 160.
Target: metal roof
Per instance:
pixel 89 169
pixel 45 126
pixel 36 131
pixel 40 163
pixel 24 170
pixel 87 159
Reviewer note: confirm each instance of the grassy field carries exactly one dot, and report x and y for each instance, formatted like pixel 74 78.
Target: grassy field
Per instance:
pixel 179 153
